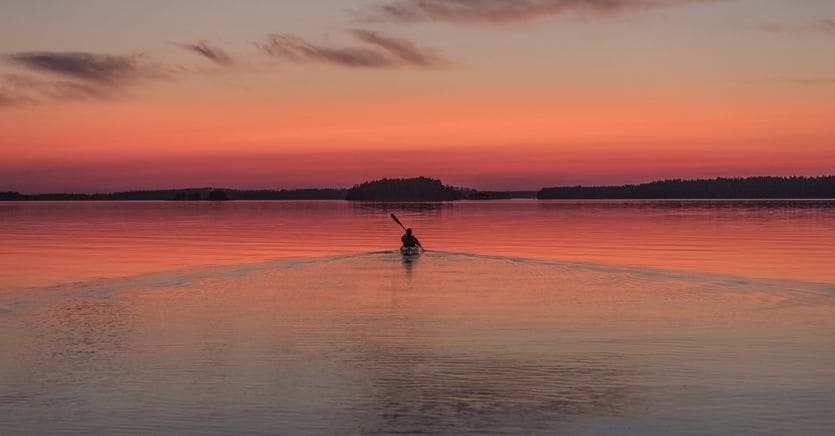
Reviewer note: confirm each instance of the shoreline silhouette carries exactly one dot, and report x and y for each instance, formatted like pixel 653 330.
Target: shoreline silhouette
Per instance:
pixel 423 189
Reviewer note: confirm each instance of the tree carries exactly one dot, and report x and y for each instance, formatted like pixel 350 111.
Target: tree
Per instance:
pixel 217 195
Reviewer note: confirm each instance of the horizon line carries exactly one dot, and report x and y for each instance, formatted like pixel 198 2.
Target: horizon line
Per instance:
pixel 209 188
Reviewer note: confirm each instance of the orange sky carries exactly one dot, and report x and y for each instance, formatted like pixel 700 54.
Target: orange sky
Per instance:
pixel 323 96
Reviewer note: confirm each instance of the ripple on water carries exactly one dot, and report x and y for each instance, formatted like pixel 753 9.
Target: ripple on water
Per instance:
pixel 451 342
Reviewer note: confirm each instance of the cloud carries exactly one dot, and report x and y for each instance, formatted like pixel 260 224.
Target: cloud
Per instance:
pixel 776 28
pixel 508 11
pixel 13 98
pixel 101 69
pixel 293 48
pixel 214 54
pixel 59 89
pixel 7 99
pixel 32 89
pixel 380 51
pixel 823 25
pixel 75 75
pixel 808 81
pixel 406 51
pixel 827 25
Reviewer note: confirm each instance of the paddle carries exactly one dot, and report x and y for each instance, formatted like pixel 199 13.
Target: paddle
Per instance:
pixel 394 217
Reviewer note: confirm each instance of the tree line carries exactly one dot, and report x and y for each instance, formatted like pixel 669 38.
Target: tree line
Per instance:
pixel 719 188
pixel 427 189
pixel 195 194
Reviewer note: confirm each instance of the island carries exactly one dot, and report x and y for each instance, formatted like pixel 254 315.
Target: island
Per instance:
pixel 414 189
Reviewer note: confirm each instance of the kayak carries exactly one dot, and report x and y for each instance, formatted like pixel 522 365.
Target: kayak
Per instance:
pixel 410 251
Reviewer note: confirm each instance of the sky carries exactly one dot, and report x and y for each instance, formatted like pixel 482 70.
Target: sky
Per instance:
pixel 109 95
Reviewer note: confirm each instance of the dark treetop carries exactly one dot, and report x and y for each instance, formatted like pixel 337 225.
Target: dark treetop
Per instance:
pixel 417 189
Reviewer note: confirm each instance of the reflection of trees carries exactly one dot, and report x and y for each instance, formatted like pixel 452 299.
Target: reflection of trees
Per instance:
pixel 376 207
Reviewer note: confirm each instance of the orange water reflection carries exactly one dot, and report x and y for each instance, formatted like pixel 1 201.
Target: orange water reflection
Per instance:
pixel 51 243
pixel 456 343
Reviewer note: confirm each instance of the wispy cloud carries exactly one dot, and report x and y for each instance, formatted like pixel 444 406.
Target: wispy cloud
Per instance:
pixel 380 51
pixel 7 99
pixel 824 25
pixel 31 88
pixel 295 49
pixel 102 69
pixel 214 54
pixel 807 81
pixel 74 75
pixel 827 25
pixel 508 11
pixel 403 50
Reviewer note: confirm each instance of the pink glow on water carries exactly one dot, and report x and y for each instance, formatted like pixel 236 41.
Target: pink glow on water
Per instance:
pixel 51 243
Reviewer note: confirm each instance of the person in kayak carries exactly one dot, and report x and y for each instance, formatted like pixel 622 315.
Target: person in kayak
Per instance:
pixel 409 240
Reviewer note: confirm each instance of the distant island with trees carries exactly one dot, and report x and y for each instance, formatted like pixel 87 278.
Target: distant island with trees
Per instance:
pixel 424 189
pixel 719 188
pixel 416 189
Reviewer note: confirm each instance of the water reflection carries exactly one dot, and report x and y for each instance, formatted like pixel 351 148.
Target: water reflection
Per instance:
pixel 404 206
pixel 409 264
pixel 83 335
pixel 417 391
pixel 65 361
pixel 54 243
pixel 447 343
pixel 687 204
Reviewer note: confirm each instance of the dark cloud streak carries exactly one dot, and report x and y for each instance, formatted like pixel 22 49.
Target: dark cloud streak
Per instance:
pixel 214 54
pixel 102 69
pixel 381 51
pixel 509 11
pixel 69 76
pixel 296 49
pixel 405 51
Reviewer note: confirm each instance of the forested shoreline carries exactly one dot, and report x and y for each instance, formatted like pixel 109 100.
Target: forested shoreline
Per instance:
pixel 427 189
pixel 719 188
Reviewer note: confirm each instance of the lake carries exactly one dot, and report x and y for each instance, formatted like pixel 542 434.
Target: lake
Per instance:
pixel 574 317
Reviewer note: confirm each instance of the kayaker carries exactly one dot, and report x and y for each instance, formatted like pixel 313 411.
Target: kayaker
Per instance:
pixel 409 240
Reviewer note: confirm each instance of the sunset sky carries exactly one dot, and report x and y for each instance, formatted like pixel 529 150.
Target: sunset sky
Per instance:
pixel 98 96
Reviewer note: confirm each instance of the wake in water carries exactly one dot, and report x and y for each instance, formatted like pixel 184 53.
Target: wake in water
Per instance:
pixel 791 291
pixel 449 342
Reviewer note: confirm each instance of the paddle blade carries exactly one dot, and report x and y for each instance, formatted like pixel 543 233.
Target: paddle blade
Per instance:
pixel 394 217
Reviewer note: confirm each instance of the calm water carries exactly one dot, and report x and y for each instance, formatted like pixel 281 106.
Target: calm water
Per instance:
pixel 526 317
pixel 53 243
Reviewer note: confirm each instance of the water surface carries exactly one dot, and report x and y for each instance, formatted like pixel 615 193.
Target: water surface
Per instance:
pixel 55 242
pixel 527 317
